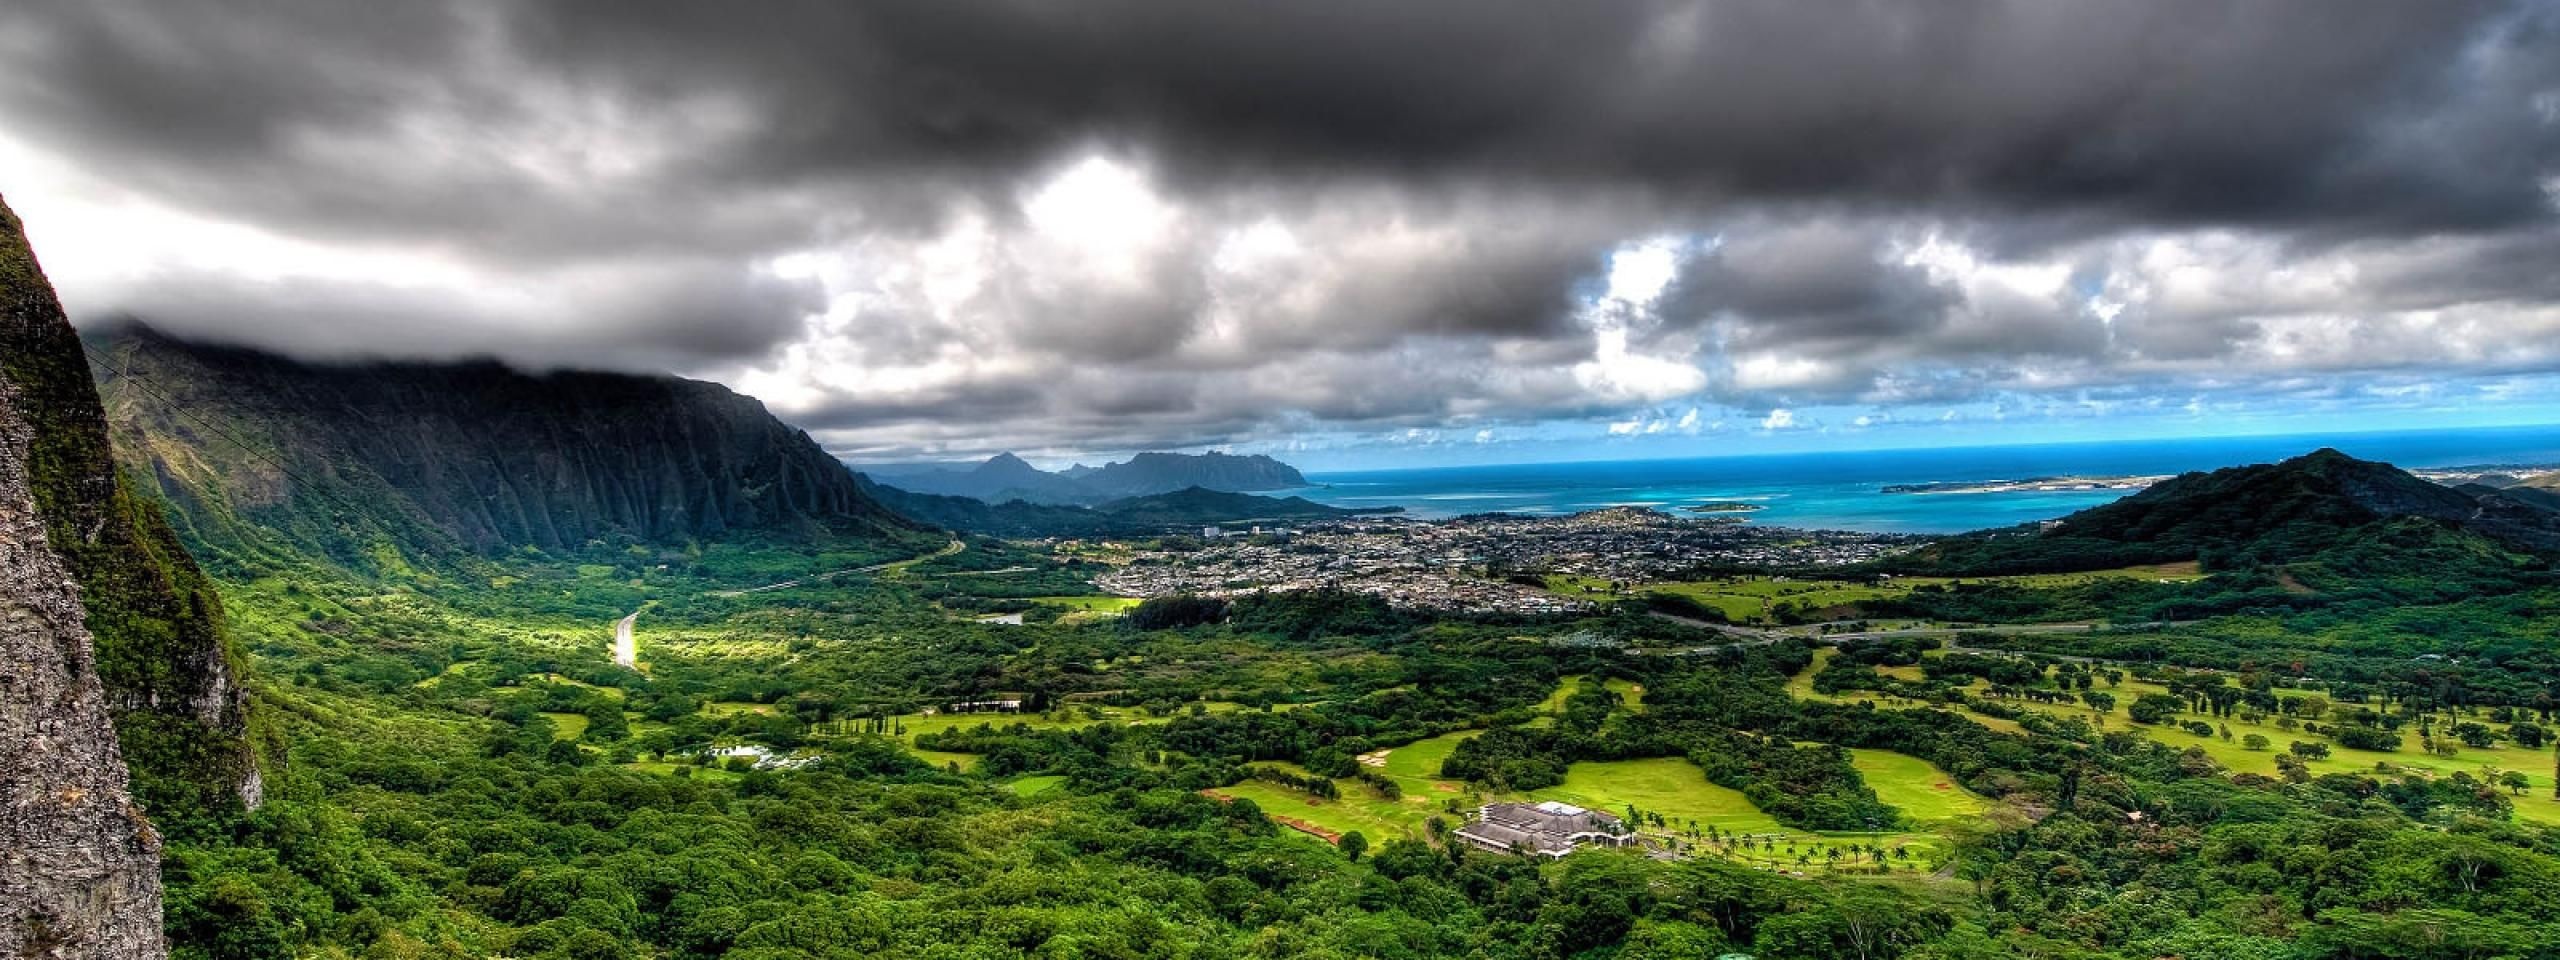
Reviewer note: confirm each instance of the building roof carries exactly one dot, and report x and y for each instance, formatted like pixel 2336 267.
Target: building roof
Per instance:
pixel 1548 828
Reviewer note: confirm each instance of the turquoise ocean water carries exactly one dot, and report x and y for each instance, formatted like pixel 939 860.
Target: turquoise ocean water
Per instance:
pixel 1843 490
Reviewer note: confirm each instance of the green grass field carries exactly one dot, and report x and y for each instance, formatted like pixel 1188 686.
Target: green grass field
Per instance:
pixel 2536 803
pixel 1419 761
pixel 1670 786
pixel 1756 599
pixel 669 770
pixel 1360 808
pixel 1097 604
pixel 1921 791
pixel 1035 786
pixel 567 726
pixel 918 724
pixel 941 760
pixel 1630 694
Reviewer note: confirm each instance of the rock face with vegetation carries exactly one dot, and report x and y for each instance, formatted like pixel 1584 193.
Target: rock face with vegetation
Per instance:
pixel 373 463
pixel 79 862
pixel 171 677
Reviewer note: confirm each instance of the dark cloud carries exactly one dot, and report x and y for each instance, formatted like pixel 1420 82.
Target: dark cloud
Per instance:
pixel 937 224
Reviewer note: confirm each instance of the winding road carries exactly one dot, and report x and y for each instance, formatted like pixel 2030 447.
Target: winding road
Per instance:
pixel 948 549
pixel 626 648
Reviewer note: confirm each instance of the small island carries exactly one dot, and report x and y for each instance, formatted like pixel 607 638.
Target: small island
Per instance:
pixel 1725 506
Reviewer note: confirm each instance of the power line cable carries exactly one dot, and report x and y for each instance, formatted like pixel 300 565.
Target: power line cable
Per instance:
pixel 124 375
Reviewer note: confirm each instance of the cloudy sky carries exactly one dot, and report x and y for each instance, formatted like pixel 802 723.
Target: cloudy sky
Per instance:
pixel 1353 232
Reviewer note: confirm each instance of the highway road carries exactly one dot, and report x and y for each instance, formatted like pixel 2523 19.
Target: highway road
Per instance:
pixel 626 648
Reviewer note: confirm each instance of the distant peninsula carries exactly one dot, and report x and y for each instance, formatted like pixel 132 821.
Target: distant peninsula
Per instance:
pixel 2029 485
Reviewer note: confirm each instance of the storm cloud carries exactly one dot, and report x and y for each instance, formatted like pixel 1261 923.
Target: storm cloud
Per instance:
pixel 934 227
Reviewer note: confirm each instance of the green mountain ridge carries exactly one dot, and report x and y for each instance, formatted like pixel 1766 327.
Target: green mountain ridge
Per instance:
pixel 2317 504
pixel 376 465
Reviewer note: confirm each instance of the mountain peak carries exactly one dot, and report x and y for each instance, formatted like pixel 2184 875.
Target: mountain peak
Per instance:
pixel 1006 463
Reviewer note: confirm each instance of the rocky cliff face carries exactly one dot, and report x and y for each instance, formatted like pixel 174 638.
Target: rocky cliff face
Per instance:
pixel 79 862
pixel 344 460
pixel 171 678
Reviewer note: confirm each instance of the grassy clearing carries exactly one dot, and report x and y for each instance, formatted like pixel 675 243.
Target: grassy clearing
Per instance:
pixel 1416 766
pixel 669 770
pixel 1096 604
pixel 1912 785
pixel 1755 599
pixel 1080 715
pixel 1088 609
pixel 1360 808
pixel 1630 694
pixel 567 726
pixel 1035 786
pixel 967 762
pixel 2536 804
pixel 1670 786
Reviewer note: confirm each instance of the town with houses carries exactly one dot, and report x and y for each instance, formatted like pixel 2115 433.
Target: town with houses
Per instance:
pixel 1459 564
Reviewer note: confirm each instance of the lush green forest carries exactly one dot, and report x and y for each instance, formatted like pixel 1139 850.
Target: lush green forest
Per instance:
pixel 469 775
pixel 2330 735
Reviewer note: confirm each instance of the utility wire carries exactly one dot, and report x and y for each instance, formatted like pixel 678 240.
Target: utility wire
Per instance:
pixel 124 375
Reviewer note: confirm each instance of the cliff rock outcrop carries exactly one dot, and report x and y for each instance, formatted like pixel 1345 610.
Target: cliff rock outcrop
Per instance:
pixel 79 862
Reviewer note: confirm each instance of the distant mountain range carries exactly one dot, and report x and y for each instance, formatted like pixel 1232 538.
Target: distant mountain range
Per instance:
pixel 1004 478
pixel 1130 516
pixel 2324 504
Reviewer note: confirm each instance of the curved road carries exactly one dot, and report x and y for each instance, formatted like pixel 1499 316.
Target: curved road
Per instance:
pixel 626 649
pixel 948 549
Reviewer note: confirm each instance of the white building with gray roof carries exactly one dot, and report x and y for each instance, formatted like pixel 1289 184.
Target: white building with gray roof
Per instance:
pixel 1548 829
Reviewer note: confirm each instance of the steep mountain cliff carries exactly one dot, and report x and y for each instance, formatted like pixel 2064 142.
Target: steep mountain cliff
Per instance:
pixel 79 862
pixel 378 464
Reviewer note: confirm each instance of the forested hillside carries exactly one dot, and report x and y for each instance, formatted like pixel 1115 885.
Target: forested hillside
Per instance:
pixel 2319 505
